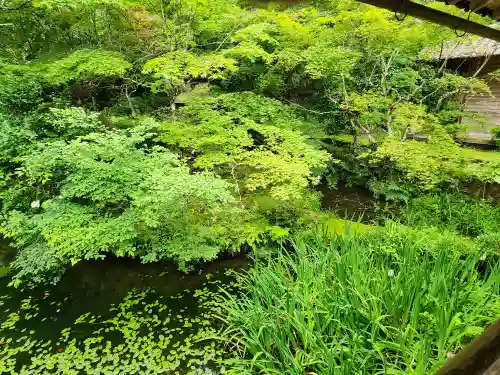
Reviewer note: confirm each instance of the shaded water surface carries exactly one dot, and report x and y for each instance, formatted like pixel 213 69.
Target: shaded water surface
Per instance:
pixel 118 316
pixel 350 202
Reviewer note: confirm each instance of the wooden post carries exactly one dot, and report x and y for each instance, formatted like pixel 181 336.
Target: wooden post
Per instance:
pixel 476 357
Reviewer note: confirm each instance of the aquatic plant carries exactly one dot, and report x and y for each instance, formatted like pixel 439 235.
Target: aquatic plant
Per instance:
pixel 146 333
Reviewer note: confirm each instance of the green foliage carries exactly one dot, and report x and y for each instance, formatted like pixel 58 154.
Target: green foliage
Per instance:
pixel 496 134
pixel 468 216
pixel 255 148
pixel 340 227
pixel 181 129
pixel 172 69
pixel 18 93
pixel 392 189
pixel 79 66
pixel 104 193
pixel 388 301
pixel 18 136
pixel 15 139
pixel 85 65
pixel 80 76
pixel 177 130
pixel 333 64
pixel 411 118
pixel 249 53
pixel 42 28
pixel 66 123
pixel 369 108
pixel 437 163
pixel 496 131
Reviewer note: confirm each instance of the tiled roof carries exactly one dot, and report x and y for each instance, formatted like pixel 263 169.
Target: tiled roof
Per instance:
pixel 476 47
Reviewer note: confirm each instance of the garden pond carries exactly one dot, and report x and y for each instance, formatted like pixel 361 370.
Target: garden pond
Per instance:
pixel 118 316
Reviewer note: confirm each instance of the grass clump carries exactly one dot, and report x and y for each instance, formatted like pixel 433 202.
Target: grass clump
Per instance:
pixel 376 303
pixel 468 216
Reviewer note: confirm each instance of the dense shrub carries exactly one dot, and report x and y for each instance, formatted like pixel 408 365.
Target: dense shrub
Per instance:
pixel 468 216
pixel 105 193
pixel 436 164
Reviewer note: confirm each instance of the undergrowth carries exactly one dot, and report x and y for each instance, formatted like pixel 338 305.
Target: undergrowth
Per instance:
pixel 468 216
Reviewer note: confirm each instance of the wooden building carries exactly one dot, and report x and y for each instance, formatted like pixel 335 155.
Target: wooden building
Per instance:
pixel 481 54
pixel 479 57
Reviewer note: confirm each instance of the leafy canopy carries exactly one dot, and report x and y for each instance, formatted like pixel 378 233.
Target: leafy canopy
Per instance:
pixel 245 138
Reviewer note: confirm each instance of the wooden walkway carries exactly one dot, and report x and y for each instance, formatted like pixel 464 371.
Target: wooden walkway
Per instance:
pixel 494 368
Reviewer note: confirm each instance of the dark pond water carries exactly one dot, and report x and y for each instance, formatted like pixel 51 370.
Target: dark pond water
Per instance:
pixel 118 316
pixel 6 255
pixel 349 202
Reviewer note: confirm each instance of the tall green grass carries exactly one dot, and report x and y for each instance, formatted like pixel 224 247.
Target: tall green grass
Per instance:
pixel 466 215
pixel 377 303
